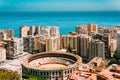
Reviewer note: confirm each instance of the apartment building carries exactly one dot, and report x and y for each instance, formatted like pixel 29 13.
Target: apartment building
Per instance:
pixel 96 49
pixel 2 52
pixel 5 34
pixel 14 47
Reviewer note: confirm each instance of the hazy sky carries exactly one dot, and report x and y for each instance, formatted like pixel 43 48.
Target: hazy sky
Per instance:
pixel 59 5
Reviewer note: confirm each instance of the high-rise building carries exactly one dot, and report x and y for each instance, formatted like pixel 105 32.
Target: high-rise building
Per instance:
pixel 45 31
pixel 83 45
pixel 96 49
pixel 81 29
pixel 42 46
pixel 103 29
pixel 111 31
pixel 48 44
pixel 70 40
pixel 24 31
pixel 113 46
pixel 92 28
pixel 106 39
pixel 118 41
pixel 65 41
pixel 49 30
pixel 39 30
pixel 53 43
pixel 54 30
pixel 87 28
pixel 61 42
pixel 28 43
pixel 33 43
pixel 14 47
pixel 32 31
pixel 5 34
pixel 2 52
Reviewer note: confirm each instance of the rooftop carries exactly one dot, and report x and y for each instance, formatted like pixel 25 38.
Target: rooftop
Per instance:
pixel 84 73
pixel 109 73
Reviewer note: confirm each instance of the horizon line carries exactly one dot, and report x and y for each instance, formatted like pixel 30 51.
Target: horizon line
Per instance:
pixel 69 11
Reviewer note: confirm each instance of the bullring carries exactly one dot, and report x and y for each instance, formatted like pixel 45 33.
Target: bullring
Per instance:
pixel 51 65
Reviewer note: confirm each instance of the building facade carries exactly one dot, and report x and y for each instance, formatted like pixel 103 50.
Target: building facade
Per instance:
pixel 83 45
pixel 96 49
pixel 53 43
pixel 106 39
pixel 5 34
pixel 14 47
pixel 81 29
pixel 24 31
pixel 113 46
pixel 28 43
pixel 39 30
pixel 70 41
pixel 118 41
pixel 92 28
pixel 2 52
pixel 42 46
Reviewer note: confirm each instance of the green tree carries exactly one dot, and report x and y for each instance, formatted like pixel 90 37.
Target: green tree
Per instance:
pixel 115 59
pixel 117 55
pixel 9 75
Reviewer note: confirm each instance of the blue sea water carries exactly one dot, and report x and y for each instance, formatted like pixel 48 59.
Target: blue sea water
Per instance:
pixel 67 21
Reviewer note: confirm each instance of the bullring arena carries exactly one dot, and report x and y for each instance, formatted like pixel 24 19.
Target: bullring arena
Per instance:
pixel 51 66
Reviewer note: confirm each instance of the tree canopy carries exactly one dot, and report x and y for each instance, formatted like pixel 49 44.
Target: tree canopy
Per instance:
pixel 9 75
pixel 115 59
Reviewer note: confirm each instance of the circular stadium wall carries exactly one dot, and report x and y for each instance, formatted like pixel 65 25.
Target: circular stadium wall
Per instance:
pixel 51 66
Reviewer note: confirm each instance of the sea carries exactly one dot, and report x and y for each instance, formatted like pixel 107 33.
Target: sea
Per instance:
pixel 65 20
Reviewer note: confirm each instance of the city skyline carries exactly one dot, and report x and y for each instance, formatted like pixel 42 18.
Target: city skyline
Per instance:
pixel 59 5
pixel 41 46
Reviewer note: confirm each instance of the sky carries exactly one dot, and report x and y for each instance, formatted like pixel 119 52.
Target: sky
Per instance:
pixel 59 5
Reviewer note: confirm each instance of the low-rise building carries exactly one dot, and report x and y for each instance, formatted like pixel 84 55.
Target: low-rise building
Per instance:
pixel 110 73
pixel 85 72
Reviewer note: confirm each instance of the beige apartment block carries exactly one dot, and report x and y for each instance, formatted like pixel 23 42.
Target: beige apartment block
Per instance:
pixel 2 52
pixel 5 34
